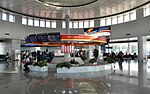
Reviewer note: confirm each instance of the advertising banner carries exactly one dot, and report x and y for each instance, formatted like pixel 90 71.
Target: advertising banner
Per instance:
pixel 90 31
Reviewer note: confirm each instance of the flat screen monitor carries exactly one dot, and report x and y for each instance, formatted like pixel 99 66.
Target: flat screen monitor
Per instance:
pixel 27 39
pixel 33 38
pixel 42 37
pixel 53 37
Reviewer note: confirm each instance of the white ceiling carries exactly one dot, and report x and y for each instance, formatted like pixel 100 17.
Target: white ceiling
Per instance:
pixel 96 9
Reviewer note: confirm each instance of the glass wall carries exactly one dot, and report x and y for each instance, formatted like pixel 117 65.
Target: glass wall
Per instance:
pixel 132 46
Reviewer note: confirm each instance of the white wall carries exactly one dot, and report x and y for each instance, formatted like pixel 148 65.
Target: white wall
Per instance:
pixel 136 28
pixel 141 26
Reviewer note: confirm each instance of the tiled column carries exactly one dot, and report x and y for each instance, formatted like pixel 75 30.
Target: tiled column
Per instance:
pixel 67 20
pixel 142 61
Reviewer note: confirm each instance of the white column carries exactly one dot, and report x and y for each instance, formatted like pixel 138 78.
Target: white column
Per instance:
pixel 96 21
pixel 58 22
pixel 90 53
pixel 67 20
pixel 18 19
pixel 13 46
pixel 142 61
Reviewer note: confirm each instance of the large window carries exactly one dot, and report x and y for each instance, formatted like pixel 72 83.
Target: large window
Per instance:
pixel 63 24
pixel 75 24
pixel 36 22
pixel 53 24
pixel 42 23
pixel 126 17
pixel 86 24
pixel 4 16
pixel 108 21
pixel 80 24
pixel 102 22
pixel 24 20
pixel 30 21
pixel 11 18
pixel 114 20
pixel 91 23
pixel 133 15
pixel 48 24
pixel 70 24
pixel 120 19
pixel 147 10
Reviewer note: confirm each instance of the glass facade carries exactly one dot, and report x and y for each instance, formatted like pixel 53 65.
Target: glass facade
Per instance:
pixel 117 47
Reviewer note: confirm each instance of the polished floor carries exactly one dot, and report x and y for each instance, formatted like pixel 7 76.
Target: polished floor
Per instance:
pixel 13 80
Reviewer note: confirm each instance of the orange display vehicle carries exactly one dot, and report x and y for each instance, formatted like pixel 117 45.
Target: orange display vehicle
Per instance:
pixel 92 36
pixel 72 39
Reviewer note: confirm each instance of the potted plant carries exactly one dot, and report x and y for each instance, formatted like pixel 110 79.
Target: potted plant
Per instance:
pixel 64 64
pixel 67 64
pixel 110 60
pixel 40 63
pixel 74 63
pixel 39 66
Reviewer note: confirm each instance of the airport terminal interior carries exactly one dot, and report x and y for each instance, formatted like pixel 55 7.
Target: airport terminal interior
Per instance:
pixel 74 46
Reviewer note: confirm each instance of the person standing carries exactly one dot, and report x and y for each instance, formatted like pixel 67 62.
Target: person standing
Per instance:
pixel 27 62
pixel 7 57
pixel 120 60
pixel 95 53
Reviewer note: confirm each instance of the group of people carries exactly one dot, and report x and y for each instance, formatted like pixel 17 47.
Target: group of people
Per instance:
pixel 120 57
pixel 28 57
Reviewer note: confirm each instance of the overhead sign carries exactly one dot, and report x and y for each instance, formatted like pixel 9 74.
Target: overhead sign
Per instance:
pixel 97 30
pixel 79 37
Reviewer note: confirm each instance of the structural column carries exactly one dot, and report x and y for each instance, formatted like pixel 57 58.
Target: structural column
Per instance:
pixel 90 53
pixel 67 20
pixel 13 47
pixel 142 61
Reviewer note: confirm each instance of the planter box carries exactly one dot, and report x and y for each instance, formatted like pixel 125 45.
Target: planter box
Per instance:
pixel 37 68
pixel 75 65
pixel 81 69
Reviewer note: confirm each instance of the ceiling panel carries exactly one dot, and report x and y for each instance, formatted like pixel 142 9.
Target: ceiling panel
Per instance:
pixel 85 9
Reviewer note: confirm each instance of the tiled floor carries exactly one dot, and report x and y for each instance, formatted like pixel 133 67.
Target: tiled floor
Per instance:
pixel 14 81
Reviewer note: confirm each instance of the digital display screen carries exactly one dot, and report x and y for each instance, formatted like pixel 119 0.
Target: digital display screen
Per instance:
pixel 97 30
pixel 33 38
pixel 43 37
pixel 27 39
pixel 53 37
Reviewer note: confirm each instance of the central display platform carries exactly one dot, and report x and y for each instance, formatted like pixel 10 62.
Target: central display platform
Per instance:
pixel 89 68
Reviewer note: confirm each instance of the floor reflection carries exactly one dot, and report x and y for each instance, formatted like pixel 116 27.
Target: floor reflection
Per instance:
pixel 131 68
pixel 16 81
pixel 9 67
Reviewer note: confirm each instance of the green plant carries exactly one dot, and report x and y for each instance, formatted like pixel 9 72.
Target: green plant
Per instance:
pixel 40 63
pixel 110 60
pixel 64 64
pixel 67 64
pixel 83 57
pixel 74 62
pixel 93 60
